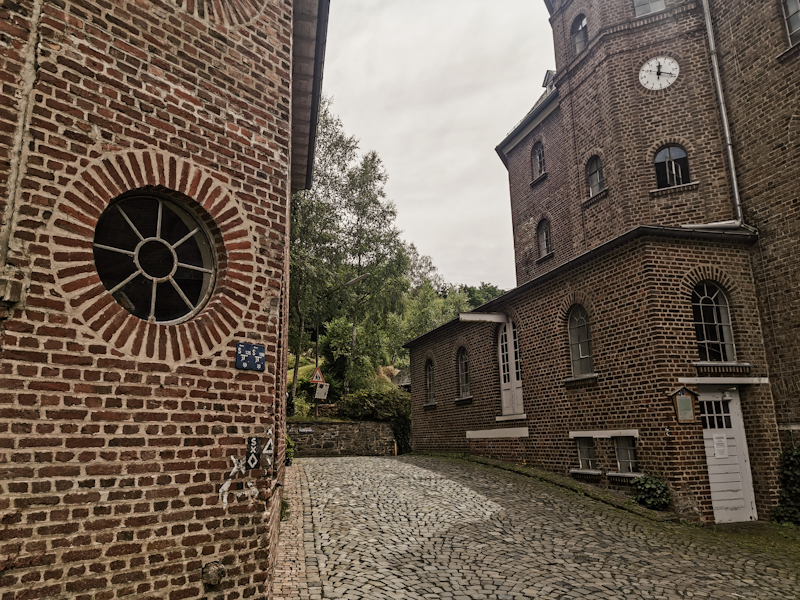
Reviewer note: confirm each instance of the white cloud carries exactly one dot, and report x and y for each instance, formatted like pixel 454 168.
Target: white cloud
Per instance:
pixel 433 86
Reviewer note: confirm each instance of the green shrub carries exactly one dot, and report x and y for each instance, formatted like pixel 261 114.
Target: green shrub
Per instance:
pixel 788 509
pixel 651 492
pixel 285 509
pixel 401 429
pixel 289 448
pixel 381 402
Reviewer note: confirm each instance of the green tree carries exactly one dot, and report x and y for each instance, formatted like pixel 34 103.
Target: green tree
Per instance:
pixel 480 295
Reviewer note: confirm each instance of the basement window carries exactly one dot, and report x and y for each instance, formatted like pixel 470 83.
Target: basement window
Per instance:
pixel 154 257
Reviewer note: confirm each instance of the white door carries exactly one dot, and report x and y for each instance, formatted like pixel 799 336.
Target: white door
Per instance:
pixel 726 453
pixel 510 376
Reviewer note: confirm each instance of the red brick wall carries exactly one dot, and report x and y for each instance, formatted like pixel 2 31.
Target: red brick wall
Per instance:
pixel 639 301
pixel 116 435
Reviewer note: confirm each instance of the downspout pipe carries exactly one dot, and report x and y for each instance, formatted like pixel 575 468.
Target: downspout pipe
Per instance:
pixel 726 129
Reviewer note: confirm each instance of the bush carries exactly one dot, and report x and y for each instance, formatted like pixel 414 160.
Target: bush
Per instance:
pixel 788 509
pixel 401 429
pixel 289 448
pixel 382 402
pixel 651 492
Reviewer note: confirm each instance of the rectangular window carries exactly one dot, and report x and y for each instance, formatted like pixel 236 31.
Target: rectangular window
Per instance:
pixel 586 453
pixel 625 448
pixel 644 7
pixel 792 8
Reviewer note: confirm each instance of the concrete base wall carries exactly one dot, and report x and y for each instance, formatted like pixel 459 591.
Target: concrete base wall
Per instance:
pixel 364 438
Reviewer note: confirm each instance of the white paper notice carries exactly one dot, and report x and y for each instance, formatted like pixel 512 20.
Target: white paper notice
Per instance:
pixel 720 445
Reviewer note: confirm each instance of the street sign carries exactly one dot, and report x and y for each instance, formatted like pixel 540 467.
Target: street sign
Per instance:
pixel 317 377
pixel 322 391
pixel 253 458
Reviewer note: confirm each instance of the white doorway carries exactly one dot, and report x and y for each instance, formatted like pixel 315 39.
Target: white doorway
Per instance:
pixel 732 494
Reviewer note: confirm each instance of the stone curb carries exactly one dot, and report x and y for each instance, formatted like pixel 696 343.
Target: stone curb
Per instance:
pixel 590 491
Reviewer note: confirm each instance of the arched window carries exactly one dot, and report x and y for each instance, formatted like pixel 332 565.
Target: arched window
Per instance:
pixel 594 171
pixel 644 7
pixel 463 373
pixel 580 34
pixel 543 237
pixel 712 323
pixel 792 9
pixel 580 341
pixel 672 167
pixel 537 160
pixel 430 388
pixel 510 371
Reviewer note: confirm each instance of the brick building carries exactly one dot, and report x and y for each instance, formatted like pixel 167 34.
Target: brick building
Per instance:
pixel 149 149
pixel 656 322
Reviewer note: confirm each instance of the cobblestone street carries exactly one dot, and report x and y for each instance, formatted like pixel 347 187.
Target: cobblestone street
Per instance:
pixel 423 527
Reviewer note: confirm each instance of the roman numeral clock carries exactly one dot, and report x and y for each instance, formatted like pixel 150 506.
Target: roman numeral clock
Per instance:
pixel 659 72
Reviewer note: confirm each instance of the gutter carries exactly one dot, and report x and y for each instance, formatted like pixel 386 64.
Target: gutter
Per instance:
pixel 323 11
pixel 706 234
pixel 737 200
pixel 531 116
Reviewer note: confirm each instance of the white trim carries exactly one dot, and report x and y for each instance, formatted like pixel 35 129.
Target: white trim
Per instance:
pixel 789 427
pixel 585 472
pixel 487 317
pixel 519 417
pixel 626 475
pixel 725 380
pixel 609 433
pixel 512 432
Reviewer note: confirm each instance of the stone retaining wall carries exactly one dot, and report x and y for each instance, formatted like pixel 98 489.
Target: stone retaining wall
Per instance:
pixel 363 438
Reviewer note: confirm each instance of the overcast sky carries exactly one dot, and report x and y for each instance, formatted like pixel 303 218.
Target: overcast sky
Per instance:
pixel 433 86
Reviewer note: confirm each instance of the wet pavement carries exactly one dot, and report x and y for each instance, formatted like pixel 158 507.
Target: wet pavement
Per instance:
pixel 424 527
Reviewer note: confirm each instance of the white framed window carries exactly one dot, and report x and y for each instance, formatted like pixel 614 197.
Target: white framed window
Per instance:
pixel 644 7
pixel 712 323
pixel 625 448
pixel 594 172
pixel 672 167
pixel 580 341
pixel 543 237
pixel 463 373
pixel 792 11
pixel 537 160
pixel 586 455
pixel 579 34
pixel 510 371
pixel 430 387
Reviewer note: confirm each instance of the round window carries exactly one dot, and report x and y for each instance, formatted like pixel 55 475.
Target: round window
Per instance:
pixel 155 258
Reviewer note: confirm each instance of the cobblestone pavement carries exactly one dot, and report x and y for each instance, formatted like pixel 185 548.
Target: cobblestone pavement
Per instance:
pixel 422 527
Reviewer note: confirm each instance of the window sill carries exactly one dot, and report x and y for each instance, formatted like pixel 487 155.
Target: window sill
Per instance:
pixel 789 53
pixel 625 475
pixel 722 368
pixel 464 400
pixel 596 198
pixel 541 259
pixel 429 406
pixel 675 189
pixel 539 179
pixel 519 417
pixel 590 472
pixel 581 380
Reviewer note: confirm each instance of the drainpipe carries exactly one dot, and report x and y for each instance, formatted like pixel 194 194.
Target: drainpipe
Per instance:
pixel 737 201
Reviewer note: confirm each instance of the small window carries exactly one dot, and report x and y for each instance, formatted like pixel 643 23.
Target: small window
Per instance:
pixel 463 373
pixel 672 167
pixel 537 160
pixel 644 7
pixel 543 237
pixel 580 341
pixel 792 8
pixel 429 382
pixel 586 453
pixel 580 34
pixel 594 171
pixel 154 257
pixel 712 323
pixel 625 448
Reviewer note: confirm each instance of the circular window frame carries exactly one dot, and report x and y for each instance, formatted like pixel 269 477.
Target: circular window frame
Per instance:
pixel 198 228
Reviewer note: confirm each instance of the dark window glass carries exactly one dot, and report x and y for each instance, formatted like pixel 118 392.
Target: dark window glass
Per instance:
pixel 580 34
pixel 154 257
pixel 672 167
pixel 580 341
pixel 594 170
pixel 537 160
pixel 712 323
pixel 643 7
pixel 463 373
pixel 543 237
pixel 792 8
pixel 429 383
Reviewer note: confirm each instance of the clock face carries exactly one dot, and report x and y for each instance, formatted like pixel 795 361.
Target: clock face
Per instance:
pixel 659 72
